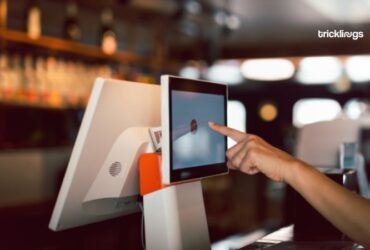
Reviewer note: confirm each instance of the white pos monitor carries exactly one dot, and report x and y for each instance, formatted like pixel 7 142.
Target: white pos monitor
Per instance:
pixel 190 149
pixel 101 180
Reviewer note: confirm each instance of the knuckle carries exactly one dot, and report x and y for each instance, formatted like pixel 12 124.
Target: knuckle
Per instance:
pixel 255 138
pixel 243 137
pixel 235 161
pixel 253 141
pixel 234 165
pixel 252 144
pixel 252 137
pixel 244 142
pixel 252 154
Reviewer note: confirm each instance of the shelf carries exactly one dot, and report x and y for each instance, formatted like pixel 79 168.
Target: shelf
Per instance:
pixel 87 51
pixel 69 47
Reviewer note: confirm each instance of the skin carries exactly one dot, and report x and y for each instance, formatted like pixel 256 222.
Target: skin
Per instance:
pixel 346 210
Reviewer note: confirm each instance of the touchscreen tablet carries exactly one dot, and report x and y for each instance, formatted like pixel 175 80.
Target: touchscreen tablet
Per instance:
pixel 190 149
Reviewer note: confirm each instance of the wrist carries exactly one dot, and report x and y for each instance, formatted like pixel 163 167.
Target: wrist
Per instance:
pixel 291 171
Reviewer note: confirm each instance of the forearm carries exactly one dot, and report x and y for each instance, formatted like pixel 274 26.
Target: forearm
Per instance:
pixel 349 212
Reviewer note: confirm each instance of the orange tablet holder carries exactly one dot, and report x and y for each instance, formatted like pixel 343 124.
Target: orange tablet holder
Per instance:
pixel 150 173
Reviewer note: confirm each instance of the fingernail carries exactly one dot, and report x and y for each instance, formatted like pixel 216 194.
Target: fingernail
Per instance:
pixel 211 123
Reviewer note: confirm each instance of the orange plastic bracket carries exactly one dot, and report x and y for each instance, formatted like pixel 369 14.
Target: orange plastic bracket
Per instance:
pixel 150 173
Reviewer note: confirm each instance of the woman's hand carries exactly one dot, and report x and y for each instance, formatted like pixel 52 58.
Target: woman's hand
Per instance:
pixel 252 154
pixel 346 210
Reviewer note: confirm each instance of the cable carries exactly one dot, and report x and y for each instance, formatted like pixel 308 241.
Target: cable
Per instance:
pixel 142 226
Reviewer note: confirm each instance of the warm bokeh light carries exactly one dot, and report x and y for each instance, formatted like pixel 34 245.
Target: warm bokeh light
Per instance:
pixel 312 110
pixel 268 112
pixel 342 85
pixel 109 43
pixel 273 69
pixel 319 70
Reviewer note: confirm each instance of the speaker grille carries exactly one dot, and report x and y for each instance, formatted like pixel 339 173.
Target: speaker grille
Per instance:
pixel 115 168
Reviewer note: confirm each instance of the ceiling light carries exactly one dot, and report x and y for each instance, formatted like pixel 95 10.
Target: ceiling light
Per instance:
pixel 312 110
pixel 190 72
pixel 233 22
pixel 220 18
pixel 193 7
pixel 354 108
pixel 319 70
pixel 225 71
pixel 358 68
pixel 273 69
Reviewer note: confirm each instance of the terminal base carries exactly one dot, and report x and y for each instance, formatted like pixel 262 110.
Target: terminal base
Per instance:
pixel 174 215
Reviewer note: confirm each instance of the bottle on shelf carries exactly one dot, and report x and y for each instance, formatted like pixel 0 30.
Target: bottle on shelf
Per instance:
pixel 56 82
pixel 4 77
pixel 16 79
pixel 53 95
pixel 33 20
pixel 108 35
pixel 3 13
pixel 72 30
pixel 29 85
pixel 41 81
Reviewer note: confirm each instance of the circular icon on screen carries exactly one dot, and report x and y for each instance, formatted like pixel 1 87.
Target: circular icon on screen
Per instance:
pixel 193 126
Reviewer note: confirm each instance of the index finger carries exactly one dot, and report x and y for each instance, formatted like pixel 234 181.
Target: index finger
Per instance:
pixel 234 134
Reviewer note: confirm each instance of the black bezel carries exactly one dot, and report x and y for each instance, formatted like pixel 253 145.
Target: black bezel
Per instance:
pixel 197 86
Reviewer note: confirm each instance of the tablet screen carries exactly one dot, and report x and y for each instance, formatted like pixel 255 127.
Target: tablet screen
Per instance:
pixel 194 144
pixel 190 149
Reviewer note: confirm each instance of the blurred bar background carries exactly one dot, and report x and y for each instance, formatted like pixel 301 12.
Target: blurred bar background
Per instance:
pixel 281 76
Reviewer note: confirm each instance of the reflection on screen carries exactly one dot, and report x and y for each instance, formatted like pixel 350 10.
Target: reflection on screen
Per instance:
pixel 193 142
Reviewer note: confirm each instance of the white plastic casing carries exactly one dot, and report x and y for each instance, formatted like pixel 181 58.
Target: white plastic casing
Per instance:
pixel 114 129
pixel 165 114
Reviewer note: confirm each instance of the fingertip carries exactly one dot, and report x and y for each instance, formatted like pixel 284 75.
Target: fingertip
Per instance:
pixel 211 124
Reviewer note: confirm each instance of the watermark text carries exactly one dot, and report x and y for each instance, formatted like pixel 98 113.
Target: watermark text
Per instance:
pixel 354 35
